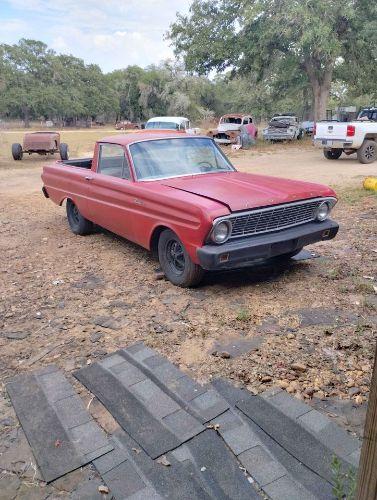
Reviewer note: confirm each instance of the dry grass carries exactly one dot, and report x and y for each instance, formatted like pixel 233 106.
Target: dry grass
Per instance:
pixel 80 142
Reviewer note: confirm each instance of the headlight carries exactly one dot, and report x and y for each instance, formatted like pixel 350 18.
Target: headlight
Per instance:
pixel 322 211
pixel 221 231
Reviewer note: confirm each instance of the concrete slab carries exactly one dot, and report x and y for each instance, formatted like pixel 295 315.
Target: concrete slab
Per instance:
pixel 202 403
pixel 62 434
pixel 292 437
pixel 139 405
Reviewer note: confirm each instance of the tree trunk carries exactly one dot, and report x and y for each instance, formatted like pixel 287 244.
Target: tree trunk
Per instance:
pixel 26 114
pixel 320 80
pixel 367 480
pixel 321 96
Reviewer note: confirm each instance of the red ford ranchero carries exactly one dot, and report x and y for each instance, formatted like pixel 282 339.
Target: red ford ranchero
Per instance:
pixel 180 196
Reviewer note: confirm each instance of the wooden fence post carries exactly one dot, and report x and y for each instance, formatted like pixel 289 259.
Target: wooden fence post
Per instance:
pixel 367 476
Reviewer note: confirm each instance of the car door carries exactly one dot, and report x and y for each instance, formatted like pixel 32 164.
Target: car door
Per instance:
pixel 110 191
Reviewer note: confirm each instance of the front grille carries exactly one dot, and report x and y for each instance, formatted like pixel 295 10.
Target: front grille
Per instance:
pixel 273 218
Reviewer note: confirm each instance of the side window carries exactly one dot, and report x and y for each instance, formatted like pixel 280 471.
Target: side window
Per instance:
pixel 246 121
pixel 112 161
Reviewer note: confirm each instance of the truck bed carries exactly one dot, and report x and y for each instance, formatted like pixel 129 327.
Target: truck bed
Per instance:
pixel 79 162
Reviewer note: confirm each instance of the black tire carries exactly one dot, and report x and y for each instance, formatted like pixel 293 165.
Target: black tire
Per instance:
pixel 332 154
pixel 64 151
pixel 17 152
pixel 368 152
pixel 176 263
pixel 78 223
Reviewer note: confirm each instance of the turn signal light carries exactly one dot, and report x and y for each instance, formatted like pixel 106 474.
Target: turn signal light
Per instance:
pixel 350 130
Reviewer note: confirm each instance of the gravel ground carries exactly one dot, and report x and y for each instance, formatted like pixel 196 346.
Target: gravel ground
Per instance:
pixel 69 300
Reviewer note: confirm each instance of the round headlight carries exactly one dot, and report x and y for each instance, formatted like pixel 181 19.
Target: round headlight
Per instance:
pixel 221 231
pixel 322 211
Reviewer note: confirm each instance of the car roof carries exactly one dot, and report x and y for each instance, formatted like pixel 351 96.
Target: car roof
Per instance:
pixel 174 119
pixel 144 135
pixel 235 115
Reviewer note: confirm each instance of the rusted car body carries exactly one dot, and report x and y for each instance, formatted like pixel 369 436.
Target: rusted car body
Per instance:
pixel 42 143
pixel 126 125
pixel 180 196
pixel 231 127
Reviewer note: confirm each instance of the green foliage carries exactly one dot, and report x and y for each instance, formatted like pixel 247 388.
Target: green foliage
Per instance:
pixel 344 482
pixel 287 45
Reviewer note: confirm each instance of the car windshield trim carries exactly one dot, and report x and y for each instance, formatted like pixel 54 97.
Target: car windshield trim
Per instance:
pixel 230 167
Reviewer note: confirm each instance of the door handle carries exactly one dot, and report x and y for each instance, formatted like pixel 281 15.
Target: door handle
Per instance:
pixel 88 178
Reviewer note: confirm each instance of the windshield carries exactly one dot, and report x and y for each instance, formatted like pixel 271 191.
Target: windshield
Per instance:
pixel 162 158
pixel 163 125
pixel 231 119
pixel 368 114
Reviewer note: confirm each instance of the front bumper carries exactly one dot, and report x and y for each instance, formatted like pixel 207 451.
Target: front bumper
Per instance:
pixel 224 141
pixel 278 137
pixel 254 249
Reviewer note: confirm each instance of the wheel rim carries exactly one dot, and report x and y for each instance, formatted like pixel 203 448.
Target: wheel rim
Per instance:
pixel 175 256
pixel 75 214
pixel 370 152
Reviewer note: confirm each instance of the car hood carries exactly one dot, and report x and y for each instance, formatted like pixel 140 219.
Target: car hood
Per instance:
pixel 241 191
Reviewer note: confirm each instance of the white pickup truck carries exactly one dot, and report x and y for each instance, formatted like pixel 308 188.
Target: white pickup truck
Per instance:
pixel 359 136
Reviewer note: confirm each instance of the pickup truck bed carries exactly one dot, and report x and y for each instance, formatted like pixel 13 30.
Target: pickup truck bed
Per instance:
pixel 347 137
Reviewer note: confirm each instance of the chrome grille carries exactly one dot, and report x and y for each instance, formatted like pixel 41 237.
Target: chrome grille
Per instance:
pixel 273 218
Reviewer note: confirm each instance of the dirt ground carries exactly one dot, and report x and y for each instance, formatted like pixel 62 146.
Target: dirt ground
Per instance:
pixel 69 300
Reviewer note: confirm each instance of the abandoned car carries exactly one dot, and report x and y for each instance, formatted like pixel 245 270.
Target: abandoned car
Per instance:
pixel 180 196
pixel 126 125
pixel 179 123
pixel 234 128
pixel 43 143
pixel 283 128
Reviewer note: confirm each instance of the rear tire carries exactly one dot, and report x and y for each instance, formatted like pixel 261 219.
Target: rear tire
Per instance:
pixel 368 152
pixel 78 223
pixel 332 154
pixel 17 152
pixel 176 263
pixel 64 151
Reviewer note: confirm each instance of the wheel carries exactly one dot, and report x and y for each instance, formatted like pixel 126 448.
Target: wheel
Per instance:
pixel 17 152
pixel 300 135
pixel 332 154
pixel 368 152
pixel 63 150
pixel 78 223
pixel 175 261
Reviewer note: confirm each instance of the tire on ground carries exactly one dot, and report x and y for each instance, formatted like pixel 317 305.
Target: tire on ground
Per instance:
pixel 17 152
pixel 78 223
pixel 190 274
pixel 64 152
pixel 367 153
pixel 332 154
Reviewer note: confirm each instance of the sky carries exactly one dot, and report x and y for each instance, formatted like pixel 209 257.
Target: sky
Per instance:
pixel 110 33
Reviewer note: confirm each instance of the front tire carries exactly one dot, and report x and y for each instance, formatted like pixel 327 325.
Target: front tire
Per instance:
pixel 332 154
pixel 17 152
pixel 176 263
pixel 64 152
pixel 78 223
pixel 368 152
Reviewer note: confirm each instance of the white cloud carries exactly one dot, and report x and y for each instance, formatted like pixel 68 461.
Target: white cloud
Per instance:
pixel 113 34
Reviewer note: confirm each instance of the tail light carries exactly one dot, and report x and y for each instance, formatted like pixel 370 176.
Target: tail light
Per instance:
pixel 350 130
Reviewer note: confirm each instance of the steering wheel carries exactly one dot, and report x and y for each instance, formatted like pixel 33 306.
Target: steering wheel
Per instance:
pixel 207 166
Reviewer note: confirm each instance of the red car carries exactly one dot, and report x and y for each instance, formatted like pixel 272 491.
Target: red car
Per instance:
pixel 180 196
